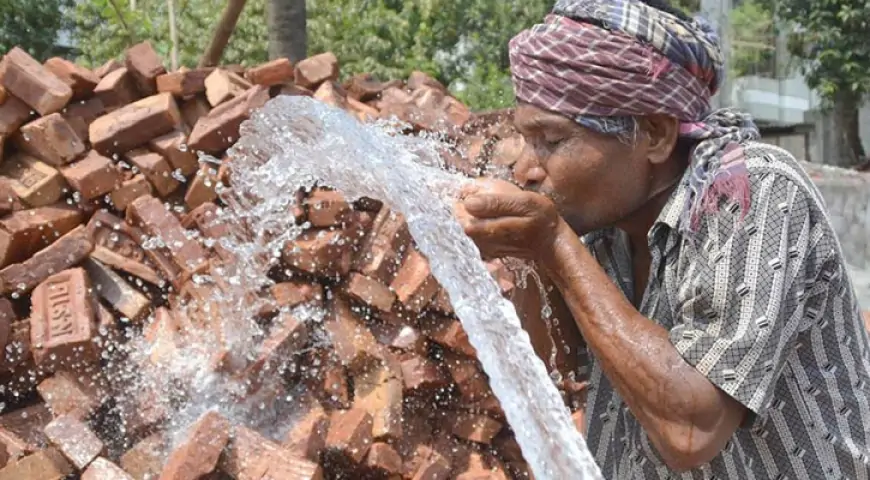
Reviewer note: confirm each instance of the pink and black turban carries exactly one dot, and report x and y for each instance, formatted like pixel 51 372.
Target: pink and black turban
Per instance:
pixel 605 62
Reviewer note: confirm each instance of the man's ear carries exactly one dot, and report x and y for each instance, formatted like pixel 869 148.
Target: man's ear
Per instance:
pixel 662 132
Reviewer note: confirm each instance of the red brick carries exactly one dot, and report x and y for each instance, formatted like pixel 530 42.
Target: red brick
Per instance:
pixel 135 124
pixel 383 249
pixel 75 440
pixel 475 428
pixel 307 437
pixel 63 322
pixel 199 453
pixel 365 113
pixel 13 114
pixel 350 434
pixel 331 94
pixel 363 87
pixel 330 385
pixel 378 390
pixel 441 303
pixel 222 85
pixel 287 336
pixel 107 68
pixel 102 469
pixel 399 336
pixel 66 252
pixel 34 182
pixel 432 467
pixel 327 253
pixel 28 231
pixel 293 293
pixel 130 190
pixel 26 79
pixel 173 146
pixel 66 395
pixel 194 108
pixel 51 139
pixel 275 72
pixel 250 456
pixel 145 66
pixel 370 291
pixel 187 254
pixel 219 129
pixel 203 187
pixel 45 464
pixel 145 459
pixel 119 294
pixel 468 376
pixel 184 83
pixel 448 332
pixel 315 70
pixel 326 208
pixel 421 374
pixel 414 284
pixel 81 114
pixel 81 80
pixel 354 344
pixel 116 89
pixel 21 430
pixel 384 460
pixel 156 169
pixel 17 352
pixel 93 176
pixel 419 79
pixel 7 318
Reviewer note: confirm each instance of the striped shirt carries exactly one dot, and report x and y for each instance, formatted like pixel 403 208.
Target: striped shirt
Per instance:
pixel 764 308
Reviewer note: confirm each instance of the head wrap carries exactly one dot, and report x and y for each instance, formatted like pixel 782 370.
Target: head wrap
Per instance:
pixel 603 63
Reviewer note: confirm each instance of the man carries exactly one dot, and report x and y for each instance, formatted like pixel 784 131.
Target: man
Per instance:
pixel 699 265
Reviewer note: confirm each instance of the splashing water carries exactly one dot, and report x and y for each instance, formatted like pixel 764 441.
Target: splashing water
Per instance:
pixel 294 142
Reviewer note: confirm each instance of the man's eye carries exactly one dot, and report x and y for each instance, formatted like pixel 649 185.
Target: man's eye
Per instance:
pixel 553 142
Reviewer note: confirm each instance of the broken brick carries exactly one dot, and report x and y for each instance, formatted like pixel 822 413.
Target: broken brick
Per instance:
pixel 219 129
pixel 129 191
pixel 350 434
pixel 315 70
pixel 156 169
pixel 414 284
pixel 421 374
pixel 354 344
pixel 326 208
pixel 307 437
pixel 119 294
pixel 173 146
pixel 203 187
pixel 13 114
pixel 35 85
pixel 370 291
pixel 145 459
pixel 48 464
pixel 384 248
pixel 293 293
pixel 378 390
pixel 51 139
pixel 81 114
pixel 102 469
pixel 116 89
pixel 250 456
pixel 34 182
pixel 475 428
pixel 183 83
pixel 64 394
pixel 222 85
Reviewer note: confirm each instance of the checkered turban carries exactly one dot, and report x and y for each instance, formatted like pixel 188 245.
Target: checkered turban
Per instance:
pixel 605 62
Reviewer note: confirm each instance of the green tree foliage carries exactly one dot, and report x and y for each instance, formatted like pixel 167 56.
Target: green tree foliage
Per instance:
pixel 105 28
pixel 753 39
pixel 830 37
pixel 33 25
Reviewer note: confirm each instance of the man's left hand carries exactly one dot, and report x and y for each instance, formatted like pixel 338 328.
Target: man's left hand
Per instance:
pixel 505 221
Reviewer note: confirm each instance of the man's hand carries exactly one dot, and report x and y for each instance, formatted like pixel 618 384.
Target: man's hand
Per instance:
pixel 505 221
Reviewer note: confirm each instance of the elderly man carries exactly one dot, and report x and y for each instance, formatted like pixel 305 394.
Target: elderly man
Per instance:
pixel 699 266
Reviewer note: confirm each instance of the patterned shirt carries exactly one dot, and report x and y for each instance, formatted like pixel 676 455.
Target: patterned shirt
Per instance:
pixel 765 309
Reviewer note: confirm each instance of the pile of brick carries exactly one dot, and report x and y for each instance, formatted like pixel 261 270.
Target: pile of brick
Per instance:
pixel 96 164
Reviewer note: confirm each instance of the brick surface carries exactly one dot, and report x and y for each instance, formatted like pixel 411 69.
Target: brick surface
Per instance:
pixel 331 93
pixel 48 464
pixel 363 87
pixel 383 460
pixel 475 428
pixel 293 293
pixel 350 434
pixel 384 248
pixel 145 459
pixel 326 208
pixel 64 253
pixel 184 83
pixel 307 437
pixel 130 190
pixel 414 284
pixel 222 85
pixel 448 332
pixel 354 344
pixel 421 374
pixel 321 252
pixel 194 108
pixel 81 114
pixel 93 176
pixel 220 128
pixel 81 80
pixel 13 114
pixel 156 169
pixel 203 187
pixel 370 291
pixel 135 124
pixel 173 146
pixel 378 390
pixel 62 322
pixel 51 139
pixel 102 469
pixel 35 85
pixel 64 394
pixel 33 181
pixel 116 89
pixel 315 70
pixel 198 454
pixel 117 292
pixel 250 456
pixel 276 72
pixel 75 440
pixel 152 216
pixel 28 231
pixel 145 66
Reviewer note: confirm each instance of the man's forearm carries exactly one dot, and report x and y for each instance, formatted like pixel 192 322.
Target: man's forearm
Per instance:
pixel 668 396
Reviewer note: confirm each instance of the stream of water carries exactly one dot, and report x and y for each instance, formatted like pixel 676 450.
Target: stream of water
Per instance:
pixel 296 142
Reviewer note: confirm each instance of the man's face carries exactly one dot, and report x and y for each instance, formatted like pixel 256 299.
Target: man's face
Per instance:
pixel 595 180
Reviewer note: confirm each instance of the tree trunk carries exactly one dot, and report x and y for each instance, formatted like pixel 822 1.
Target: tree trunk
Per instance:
pixel 847 130
pixel 288 37
pixel 222 34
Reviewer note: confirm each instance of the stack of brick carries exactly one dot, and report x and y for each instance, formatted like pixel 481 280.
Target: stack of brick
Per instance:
pixel 97 163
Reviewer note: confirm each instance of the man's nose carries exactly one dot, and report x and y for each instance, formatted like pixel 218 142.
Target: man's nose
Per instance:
pixel 528 170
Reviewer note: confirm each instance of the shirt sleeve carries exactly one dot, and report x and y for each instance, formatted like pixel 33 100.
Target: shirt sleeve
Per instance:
pixel 742 298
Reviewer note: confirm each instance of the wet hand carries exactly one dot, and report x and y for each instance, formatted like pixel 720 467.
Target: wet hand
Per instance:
pixel 505 221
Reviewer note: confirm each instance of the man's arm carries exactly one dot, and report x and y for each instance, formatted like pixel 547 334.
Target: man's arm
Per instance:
pixel 687 418
pixel 738 310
